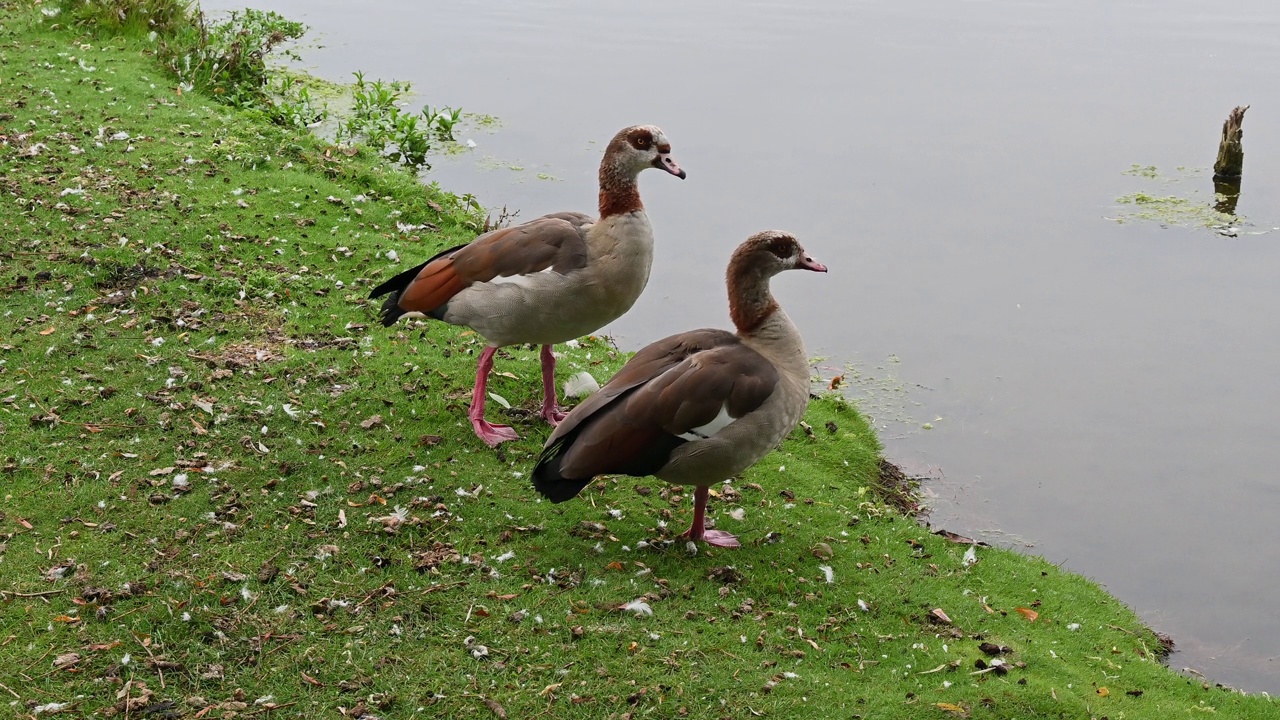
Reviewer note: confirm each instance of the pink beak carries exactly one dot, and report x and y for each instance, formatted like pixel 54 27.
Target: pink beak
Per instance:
pixel 668 163
pixel 808 263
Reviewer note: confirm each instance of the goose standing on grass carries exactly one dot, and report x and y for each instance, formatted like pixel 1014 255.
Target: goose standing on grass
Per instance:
pixel 699 407
pixel 546 281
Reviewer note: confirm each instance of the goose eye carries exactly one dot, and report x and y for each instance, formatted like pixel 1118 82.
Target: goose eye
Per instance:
pixel 783 248
pixel 642 143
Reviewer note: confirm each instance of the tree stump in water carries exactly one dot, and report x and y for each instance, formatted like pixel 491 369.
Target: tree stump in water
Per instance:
pixel 1230 163
pixel 1230 151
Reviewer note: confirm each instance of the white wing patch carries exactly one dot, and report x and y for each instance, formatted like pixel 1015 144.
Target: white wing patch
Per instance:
pixel 721 421
pixel 527 280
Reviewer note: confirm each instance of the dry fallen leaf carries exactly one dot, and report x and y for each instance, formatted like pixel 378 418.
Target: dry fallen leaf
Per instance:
pixel 955 709
pixel 497 709
pixel 49 331
pixel 1103 692
pixel 1028 613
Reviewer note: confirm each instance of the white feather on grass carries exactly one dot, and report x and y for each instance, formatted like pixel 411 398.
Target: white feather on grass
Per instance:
pixel 639 607
pixel 580 385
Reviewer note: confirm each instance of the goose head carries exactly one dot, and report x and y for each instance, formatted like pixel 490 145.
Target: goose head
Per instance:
pixel 639 147
pixel 768 253
pixel 762 256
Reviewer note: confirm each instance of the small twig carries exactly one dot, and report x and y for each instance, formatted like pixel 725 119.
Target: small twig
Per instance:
pixel 726 652
pixel 369 597
pixel 159 669
pixel 6 594
pixel 446 586
pixel 124 615
pixel 10 690
pixel 37 660
pixel 286 643
pixel 273 707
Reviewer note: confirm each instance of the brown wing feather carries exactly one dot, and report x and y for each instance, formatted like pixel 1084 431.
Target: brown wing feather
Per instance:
pixel 548 242
pixel 649 362
pixel 554 241
pixel 635 431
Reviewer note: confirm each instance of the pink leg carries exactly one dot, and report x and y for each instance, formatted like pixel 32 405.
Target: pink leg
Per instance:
pixel 697 531
pixel 550 411
pixel 491 434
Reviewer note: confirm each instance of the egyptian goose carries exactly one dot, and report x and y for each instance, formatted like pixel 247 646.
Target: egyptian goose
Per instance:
pixel 698 407
pixel 546 281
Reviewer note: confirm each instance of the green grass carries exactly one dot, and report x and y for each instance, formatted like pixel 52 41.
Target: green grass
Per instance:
pixel 227 492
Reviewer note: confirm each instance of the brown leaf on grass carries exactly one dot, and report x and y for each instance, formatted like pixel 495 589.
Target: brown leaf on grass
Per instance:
pixel 372 422
pixel 937 615
pixel 132 697
pixel 162 471
pixel 267 572
pixel 725 575
pixel 958 710
pixel 66 660
pixel 310 680
pixel 49 331
pixel 1028 613
pixel 496 708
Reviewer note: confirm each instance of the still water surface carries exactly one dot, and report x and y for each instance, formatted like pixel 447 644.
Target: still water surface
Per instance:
pixel 1102 394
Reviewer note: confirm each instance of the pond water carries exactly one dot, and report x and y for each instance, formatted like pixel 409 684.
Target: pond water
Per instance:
pixel 1100 393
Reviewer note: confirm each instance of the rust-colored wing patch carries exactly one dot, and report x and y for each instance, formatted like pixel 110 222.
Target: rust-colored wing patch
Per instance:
pixel 434 285
pixel 556 242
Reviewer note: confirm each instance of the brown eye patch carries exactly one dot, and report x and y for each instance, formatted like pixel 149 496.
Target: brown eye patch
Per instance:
pixel 783 247
pixel 641 139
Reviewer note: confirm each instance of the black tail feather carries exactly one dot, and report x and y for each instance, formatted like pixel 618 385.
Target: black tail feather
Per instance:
pixel 547 479
pixel 391 310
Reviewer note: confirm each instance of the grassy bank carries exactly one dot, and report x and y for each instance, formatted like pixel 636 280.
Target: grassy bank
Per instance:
pixel 227 492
